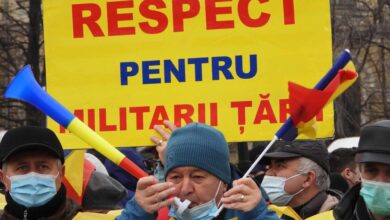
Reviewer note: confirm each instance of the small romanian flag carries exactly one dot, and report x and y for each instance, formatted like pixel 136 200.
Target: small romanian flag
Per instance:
pixel 306 103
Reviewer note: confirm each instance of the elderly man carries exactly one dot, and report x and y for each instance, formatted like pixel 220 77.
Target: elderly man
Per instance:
pixel 31 161
pixel 298 177
pixel 32 170
pixel 371 198
pixel 198 178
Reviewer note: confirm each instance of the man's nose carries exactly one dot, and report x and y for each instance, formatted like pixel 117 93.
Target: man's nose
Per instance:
pixel 187 187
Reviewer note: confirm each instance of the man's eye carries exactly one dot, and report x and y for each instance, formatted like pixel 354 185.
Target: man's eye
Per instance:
pixel 21 168
pixel 279 165
pixel 43 167
pixel 198 177
pixel 174 177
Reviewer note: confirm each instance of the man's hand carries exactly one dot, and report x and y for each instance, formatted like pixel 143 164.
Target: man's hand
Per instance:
pixel 152 195
pixel 244 196
pixel 162 141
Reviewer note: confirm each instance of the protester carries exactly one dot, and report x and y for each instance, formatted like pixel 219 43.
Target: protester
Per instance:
pixel 198 177
pixel 342 164
pixel 298 177
pixel 371 198
pixel 31 160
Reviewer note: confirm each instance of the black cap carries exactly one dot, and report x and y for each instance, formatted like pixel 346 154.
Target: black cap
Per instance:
pixel 30 138
pixel 312 150
pixel 374 143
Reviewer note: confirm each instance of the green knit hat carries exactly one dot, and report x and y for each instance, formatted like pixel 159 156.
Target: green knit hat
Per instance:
pixel 199 145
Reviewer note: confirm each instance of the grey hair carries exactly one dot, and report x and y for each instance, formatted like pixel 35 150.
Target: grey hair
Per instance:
pixel 4 166
pixel 322 178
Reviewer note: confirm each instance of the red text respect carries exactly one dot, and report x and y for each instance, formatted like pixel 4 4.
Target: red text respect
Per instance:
pixel 87 17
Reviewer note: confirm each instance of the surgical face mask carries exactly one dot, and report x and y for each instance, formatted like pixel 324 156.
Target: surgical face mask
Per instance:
pixel 206 211
pixel 376 195
pixel 32 189
pixel 274 187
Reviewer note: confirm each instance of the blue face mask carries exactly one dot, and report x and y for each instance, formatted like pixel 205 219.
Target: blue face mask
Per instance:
pixel 376 195
pixel 32 189
pixel 206 211
pixel 274 187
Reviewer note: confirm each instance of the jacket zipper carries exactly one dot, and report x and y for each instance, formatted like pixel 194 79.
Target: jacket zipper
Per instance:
pixel 25 215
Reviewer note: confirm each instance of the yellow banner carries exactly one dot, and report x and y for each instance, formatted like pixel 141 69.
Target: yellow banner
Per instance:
pixel 124 66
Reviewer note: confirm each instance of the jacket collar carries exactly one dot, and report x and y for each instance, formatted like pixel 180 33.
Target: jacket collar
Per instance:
pixel 313 206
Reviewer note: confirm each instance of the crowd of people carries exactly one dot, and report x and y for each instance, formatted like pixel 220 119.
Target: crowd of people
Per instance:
pixel 192 178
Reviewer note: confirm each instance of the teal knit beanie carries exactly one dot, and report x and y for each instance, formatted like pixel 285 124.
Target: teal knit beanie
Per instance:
pixel 199 145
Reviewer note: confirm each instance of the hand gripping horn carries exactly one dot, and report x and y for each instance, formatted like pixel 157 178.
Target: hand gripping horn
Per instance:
pixel 25 87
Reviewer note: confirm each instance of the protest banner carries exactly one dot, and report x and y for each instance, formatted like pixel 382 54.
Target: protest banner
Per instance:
pixel 124 66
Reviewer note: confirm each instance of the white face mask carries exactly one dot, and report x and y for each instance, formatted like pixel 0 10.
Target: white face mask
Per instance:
pixel 274 187
pixel 205 211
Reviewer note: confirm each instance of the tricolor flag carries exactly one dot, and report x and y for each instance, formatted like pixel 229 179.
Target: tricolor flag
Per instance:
pixel 306 103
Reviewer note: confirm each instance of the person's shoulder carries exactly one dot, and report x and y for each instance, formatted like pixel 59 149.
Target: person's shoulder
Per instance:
pixel 345 207
pixel 330 202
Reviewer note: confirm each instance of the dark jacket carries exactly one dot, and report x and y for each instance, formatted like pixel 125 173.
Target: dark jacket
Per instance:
pixel 352 206
pixel 57 208
pixel 323 201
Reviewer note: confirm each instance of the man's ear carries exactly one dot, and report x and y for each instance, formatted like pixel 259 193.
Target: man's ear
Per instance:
pixel 62 171
pixel 310 179
pixel 346 173
pixel 3 180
